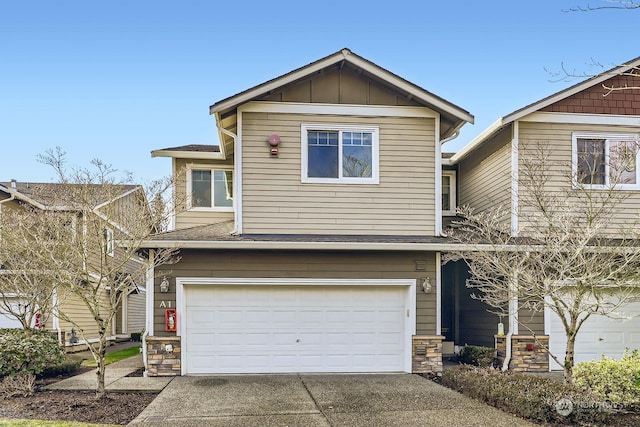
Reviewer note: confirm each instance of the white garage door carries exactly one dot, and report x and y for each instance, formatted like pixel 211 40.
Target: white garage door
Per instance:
pixel 598 336
pixel 266 329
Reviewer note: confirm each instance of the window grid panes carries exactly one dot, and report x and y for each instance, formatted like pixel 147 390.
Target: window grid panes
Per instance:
pixel 339 154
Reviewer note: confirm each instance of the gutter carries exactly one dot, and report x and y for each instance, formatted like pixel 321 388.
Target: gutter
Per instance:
pixel 238 173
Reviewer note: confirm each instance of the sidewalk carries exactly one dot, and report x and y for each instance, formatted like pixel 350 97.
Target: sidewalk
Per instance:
pixel 115 379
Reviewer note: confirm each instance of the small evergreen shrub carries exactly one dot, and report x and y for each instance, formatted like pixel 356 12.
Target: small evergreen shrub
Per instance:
pixel 617 381
pixel 22 353
pixel 136 336
pixel 536 398
pixel 477 356
pixel 69 365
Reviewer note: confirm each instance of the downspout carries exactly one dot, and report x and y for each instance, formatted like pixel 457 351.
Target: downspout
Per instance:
pixel 456 133
pixel 513 326
pixel 236 184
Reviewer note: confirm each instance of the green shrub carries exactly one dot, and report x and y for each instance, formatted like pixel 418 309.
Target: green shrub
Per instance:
pixel 21 353
pixel 69 365
pixel 136 336
pixel 527 396
pixel 617 381
pixel 477 356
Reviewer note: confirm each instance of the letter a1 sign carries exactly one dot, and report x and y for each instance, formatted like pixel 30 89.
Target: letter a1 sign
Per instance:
pixel 165 304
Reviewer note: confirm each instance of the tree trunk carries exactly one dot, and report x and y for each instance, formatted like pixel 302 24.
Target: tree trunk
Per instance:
pixel 569 358
pixel 100 370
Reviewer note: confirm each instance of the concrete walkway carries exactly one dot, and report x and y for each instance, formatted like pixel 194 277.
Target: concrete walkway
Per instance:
pixel 317 400
pixel 115 379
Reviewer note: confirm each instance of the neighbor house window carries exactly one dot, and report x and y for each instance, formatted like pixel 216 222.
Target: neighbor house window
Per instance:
pixel 109 242
pixel 602 160
pixel 340 154
pixel 210 188
pixel 448 192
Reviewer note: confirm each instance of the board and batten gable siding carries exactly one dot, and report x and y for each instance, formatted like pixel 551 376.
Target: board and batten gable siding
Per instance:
pixel 339 86
pixel 275 201
pixel 297 264
pixel 558 138
pixel 186 218
pixel 484 178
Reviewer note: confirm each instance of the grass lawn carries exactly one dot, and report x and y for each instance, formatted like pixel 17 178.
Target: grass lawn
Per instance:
pixel 115 356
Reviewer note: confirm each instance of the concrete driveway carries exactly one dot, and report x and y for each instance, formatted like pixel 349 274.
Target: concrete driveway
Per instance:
pixel 317 400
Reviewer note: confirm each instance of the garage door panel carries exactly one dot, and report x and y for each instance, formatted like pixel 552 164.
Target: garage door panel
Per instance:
pixel 598 336
pixel 294 329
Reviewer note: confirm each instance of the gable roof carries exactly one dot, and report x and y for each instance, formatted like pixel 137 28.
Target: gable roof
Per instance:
pixel 51 195
pixel 225 109
pixel 499 124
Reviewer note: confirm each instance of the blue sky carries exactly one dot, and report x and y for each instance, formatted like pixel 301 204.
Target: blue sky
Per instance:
pixel 115 80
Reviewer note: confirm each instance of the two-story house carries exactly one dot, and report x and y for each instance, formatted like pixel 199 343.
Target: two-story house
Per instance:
pixel 66 313
pixel 583 128
pixel 311 237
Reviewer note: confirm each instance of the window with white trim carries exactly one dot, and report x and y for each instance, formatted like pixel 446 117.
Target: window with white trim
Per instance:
pixel 449 192
pixel 605 160
pixel 340 154
pixel 109 242
pixel 210 189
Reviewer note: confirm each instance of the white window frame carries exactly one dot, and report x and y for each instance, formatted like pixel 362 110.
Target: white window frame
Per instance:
pixel 375 160
pixel 452 193
pixel 212 169
pixel 607 175
pixel 110 242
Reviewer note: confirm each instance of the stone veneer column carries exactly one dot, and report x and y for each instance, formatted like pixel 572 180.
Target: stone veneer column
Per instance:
pixel 160 362
pixel 426 354
pixel 528 353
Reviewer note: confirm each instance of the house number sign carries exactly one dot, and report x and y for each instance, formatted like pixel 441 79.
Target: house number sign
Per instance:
pixel 165 304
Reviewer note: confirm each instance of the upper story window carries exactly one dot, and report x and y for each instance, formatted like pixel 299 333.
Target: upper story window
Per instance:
pixel 340 154
pixel 604 160
pixel 448 192
pixel 210 189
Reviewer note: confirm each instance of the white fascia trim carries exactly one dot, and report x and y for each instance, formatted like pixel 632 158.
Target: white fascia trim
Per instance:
pixel 337 109
pixel 310 246
pixel 515 141
pixel 188 154
pixel 583 119
pixel 438 180
pixel 409 88
pixel 438 294
pixel 478 140
pixel 237 182
pixel 150 293
pixel 410 301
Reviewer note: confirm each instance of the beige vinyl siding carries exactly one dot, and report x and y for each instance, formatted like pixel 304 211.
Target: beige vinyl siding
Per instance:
pixel 484 178
pixel 136 309
pixel 73 308
pixel 276 202
pixel 186 218
pixel 558 137
pixel 274 264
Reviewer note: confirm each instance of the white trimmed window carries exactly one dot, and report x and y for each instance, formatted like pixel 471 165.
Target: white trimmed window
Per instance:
pixel 109 242
pixel 605 160
pixel 340 154
pixel 448 192
pixel 210 189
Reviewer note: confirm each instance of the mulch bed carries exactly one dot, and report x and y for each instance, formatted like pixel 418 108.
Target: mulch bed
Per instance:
pixel 115 408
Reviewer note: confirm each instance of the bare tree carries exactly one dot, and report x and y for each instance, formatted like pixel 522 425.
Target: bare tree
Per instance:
pixel 569 256
pixel 102 264
pixel 30 239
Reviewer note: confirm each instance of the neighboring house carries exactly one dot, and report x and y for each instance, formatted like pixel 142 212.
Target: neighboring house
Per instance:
pixel 131 315
pixel 311 237
pixel 487 176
